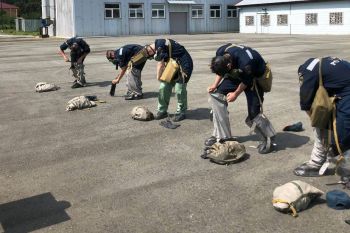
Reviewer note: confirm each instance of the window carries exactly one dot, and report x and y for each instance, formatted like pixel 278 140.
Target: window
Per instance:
pixel 135 10
pixel 215 11
pixel 282 19
pixel 197 11
pixel 112 10
pixel 336 18
pixel 158 11
pixel 265 20
pixel 311 19
pixel 249 20
pixel 231 11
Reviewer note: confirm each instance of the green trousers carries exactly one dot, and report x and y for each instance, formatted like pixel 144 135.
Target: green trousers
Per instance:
pixel 165 94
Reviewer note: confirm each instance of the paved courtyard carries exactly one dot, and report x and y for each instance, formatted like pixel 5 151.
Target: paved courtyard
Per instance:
pixel 97 170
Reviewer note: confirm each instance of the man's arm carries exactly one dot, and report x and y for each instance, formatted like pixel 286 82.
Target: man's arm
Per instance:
pixel 62 53
pixel 160 69
pixel 82 57
pixel 215 84
pixel 232 96
pixel 119 76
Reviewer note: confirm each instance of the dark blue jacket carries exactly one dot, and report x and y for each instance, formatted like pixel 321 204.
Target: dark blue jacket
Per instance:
pixel 179 53
pixel 249 62
pixel 83 46
pixel 124 54
pixel 336 80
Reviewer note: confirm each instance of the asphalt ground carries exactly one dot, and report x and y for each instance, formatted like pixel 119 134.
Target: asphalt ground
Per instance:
pixel 97 170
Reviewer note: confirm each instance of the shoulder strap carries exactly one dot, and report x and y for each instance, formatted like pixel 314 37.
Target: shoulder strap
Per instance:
pixel 320 72
pixel 169 45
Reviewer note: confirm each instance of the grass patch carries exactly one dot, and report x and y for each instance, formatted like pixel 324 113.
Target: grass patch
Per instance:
pixel 14 32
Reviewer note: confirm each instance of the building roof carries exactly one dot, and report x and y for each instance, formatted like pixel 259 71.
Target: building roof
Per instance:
pixel 261 2
pixel 4 5
pixel 181 2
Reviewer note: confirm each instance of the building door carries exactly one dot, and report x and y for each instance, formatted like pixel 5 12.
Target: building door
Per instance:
pixel 178 22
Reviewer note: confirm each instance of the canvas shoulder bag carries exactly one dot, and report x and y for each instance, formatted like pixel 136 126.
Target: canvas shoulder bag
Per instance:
pixel 322 106
pixel 139 58
pixel 171 68
pixel 265 81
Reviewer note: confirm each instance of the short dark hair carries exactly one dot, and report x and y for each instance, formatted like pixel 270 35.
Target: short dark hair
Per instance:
pixel 109 54
pixel 219 65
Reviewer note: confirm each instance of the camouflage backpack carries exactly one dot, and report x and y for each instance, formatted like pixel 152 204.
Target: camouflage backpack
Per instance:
pixel 227 152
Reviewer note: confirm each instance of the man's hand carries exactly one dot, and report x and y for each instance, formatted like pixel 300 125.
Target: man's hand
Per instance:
pixel 211 88
pixel 66 59
pixel 115 81
pixel 231 96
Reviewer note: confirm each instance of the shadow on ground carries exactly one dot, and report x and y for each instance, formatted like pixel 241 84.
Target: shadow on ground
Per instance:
pixel 198 114
pixel 33 213
pixel 283 140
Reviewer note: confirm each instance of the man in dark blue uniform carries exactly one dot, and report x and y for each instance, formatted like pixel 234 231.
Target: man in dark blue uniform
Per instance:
pixel 79 50
pixel 336 80
pixel 236 68
pixel 122 57
pixel 160 52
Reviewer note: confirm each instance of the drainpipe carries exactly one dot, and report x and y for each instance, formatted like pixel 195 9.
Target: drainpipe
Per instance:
pixel 290 17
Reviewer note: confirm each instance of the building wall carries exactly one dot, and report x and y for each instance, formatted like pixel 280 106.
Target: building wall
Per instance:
pixel 89 19
pixel 63 17
pixel 296 18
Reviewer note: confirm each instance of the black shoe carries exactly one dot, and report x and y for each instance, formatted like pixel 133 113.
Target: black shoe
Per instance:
pixel 307 170
pixel 133 97
pixel 161 115
pixel 179 117
pixel 77 85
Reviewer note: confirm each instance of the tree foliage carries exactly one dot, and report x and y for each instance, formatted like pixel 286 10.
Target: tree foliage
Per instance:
pixel 29 9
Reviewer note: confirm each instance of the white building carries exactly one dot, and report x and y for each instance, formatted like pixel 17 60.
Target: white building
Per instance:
pixel 295 17
pixel 135 17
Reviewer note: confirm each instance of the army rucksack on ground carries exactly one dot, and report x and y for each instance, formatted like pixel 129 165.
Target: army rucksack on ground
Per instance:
pixel 44 87
pixel 141 113
pixel 79 102
pixel 226 152
pixel 294 196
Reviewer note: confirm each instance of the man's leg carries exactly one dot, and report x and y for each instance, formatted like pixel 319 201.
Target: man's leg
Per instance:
pixel 317 158
pixel 164 99
pixel 181 95
pixel 81 73
pixel 221 121
pixel 134 84
pixel 262 126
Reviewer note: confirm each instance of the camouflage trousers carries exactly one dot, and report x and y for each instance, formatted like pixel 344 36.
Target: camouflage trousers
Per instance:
pixel 78 73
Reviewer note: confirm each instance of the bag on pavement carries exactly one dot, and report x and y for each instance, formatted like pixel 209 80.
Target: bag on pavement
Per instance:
pixel 79 102
pixel 44 87
pixel 141 113
pixel 226 152
pixel 294 196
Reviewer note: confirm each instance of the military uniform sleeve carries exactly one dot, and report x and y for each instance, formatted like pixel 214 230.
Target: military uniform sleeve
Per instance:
pixel 246 75
pixel 308 86
pixel 162 50
pixel 64 46
pixel 84 46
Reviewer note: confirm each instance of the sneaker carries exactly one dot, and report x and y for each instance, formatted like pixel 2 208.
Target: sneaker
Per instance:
pixel 133 97
pixel 77 84
pixel 161 115
pixel 179 117
pixel 307 170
